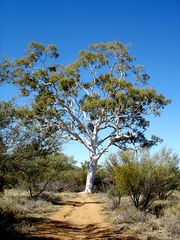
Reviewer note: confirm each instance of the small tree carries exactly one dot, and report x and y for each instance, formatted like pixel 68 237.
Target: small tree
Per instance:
pixel 100 100
pixel 6 119
pixel 143 177
pixel 3 165
pixel 37 173
pixel 36 157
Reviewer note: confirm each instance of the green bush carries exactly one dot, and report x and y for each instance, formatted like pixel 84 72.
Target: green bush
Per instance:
pixel 74 180
pixel 143 177
pixel 36 173
pixel 102 181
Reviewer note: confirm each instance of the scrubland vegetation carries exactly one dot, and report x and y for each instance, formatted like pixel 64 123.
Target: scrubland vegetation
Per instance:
pixel 145 193
pixel 111 108
pixel 141 192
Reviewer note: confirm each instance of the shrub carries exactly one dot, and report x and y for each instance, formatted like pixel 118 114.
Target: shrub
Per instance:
pixel 51 197
pixel 73 180
pixel 102 181
pixel 143 177
pixel 38 172
pixel 131 215
pixel 115 195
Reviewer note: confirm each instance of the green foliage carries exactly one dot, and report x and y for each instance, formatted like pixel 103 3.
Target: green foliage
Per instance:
pixel 23 142
pixel 6 71
pixel 102 181
pixel 143 177
pixel 3 165
pixel 114 86
pixel 74 179
pixel 36 157
pixel 99 100
pixel 36 173
pixel 6 114
pixel 6 163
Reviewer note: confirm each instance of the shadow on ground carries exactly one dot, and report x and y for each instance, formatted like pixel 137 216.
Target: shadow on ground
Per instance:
pixel 79 204
pixel 46 229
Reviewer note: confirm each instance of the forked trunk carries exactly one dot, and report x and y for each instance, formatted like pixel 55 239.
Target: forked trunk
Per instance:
pixel 90 176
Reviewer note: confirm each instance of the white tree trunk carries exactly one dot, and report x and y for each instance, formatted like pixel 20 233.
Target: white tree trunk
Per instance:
pixel 90 176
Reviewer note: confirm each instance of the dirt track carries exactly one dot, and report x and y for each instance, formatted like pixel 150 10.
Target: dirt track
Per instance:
pixel 79 218
pixel 83 210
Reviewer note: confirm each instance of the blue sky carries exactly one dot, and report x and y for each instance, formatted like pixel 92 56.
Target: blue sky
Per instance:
pixel 151 28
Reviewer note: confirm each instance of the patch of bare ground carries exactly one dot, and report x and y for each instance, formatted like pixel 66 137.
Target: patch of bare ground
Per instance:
pixel 79 217
pixel 84 216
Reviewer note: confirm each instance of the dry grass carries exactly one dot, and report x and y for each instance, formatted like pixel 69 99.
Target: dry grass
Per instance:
pixel 68 195
pixel 16 208
pixel 127 219
pixel 14 204
pixel 19 201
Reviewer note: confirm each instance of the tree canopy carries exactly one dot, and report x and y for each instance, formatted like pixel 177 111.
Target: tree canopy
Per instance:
pixel 101 99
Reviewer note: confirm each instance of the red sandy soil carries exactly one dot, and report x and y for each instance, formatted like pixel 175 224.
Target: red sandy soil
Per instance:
pixel 79 218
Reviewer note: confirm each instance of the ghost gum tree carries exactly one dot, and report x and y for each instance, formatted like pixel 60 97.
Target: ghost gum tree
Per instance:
pixel 100 100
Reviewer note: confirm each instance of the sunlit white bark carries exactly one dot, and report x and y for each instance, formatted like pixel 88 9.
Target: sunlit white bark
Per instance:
pixel 91 176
